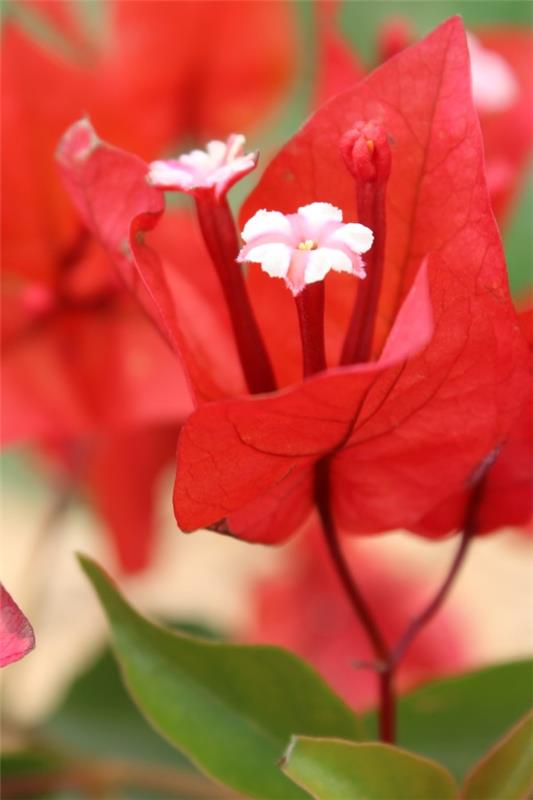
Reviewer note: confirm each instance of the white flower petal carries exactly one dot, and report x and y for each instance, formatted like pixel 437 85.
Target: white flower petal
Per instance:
pixel 320 213
pixel 266 222
pixel 163 174
pixel 217 150
pixel 357 237
pixel 196 159
pixel 274 258
pixel 322 260
pixel 217 167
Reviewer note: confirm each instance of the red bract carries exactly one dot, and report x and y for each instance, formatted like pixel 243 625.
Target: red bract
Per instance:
pixel 507 492
pixel 401 438
pixel 391 431
pixel 303 608
pixel 16 633
pixel 83 370
pixel 507 126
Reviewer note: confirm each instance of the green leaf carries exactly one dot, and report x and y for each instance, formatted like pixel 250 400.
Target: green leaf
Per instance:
pixel 332 769
pixel 231 708
pixel 456 720
pixel 507 770
pixel 519 241
pixel 97 718
pixel 361 19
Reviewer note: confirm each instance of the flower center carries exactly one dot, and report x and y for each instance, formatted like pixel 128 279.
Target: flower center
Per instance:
pixel 309 244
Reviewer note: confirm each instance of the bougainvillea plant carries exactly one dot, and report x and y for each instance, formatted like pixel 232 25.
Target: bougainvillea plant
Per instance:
pixel 356 365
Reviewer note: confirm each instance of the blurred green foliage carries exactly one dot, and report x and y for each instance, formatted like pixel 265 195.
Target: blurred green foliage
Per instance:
pixel 456 720
pixel 361 19
pixel 518 240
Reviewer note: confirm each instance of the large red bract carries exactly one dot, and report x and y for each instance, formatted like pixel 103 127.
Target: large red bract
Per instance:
pixel 392 430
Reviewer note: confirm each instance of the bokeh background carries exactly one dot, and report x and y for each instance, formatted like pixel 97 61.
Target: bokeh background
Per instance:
pixel 67 692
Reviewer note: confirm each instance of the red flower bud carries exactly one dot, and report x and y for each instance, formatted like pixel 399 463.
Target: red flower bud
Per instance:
pixel 366 152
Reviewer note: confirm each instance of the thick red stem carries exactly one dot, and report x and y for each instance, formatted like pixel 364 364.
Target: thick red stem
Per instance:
pixel 310 306
pixel 366 152
pixel 220 236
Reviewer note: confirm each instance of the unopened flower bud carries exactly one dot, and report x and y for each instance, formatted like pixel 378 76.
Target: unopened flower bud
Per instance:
pixel 366 152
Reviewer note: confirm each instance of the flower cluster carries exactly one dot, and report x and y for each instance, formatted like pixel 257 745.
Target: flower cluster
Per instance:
pixel 379 442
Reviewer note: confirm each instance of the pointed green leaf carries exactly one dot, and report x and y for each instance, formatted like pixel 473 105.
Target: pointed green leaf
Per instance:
pixel 507 770
pixel 98 718
pixel 331 769
pixel 456 720
pixel 231 708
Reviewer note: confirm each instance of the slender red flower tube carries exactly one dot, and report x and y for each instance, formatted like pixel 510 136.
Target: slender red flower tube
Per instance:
pixel 207 176
pixel 367 155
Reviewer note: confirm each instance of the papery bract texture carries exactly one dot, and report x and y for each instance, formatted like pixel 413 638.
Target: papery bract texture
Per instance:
pixel 16 633
pixel 506 498
pixel 110 190
pixel 396 436
pixel 255 456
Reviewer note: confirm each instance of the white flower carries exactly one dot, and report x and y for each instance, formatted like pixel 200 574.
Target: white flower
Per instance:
pixel 216 168
pixel 494 85
pixel 302 248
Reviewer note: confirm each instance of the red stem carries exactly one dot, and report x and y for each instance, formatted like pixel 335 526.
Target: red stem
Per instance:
pixel 389 660
pixel 427 614
pixel 220 235
pixel 357 601
pixel 310 307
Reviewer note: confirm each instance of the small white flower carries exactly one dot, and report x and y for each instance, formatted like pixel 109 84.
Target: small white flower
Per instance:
pixel 216 168
pixel 494 86
pixel 302 248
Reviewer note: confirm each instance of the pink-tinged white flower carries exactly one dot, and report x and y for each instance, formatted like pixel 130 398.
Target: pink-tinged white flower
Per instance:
pixel 16 633
pixel 494 85
pixel 216 168
pixel 302 248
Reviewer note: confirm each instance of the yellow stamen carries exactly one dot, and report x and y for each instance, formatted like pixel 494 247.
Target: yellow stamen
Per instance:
pixel 309 244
